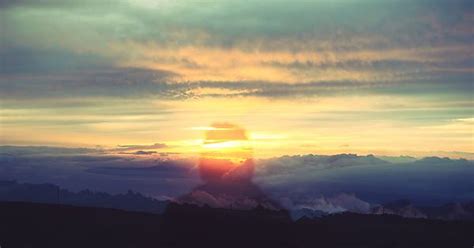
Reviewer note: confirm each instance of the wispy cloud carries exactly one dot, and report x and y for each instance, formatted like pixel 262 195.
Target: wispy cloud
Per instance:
pixel 141 147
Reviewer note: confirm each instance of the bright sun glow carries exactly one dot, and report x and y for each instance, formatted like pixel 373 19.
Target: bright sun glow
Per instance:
pixel 225 145
pixel 226 141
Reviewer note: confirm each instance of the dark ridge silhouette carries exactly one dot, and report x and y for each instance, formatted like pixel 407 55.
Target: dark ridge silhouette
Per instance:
pixel 50 193
pixel 242 195
pixel 47 225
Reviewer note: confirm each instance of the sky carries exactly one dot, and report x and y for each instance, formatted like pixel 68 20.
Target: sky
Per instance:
pixel 321 77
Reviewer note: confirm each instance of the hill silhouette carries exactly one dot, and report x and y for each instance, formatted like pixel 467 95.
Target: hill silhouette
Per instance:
pixel 50 193
pixel 48 225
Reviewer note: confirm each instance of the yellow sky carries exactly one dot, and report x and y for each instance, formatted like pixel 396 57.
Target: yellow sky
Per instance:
pixel 358 124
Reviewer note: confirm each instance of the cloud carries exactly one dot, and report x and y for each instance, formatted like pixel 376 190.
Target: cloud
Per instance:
pixel 264 41
pixel 138 147
pixel 287 164
pixel 46 150
pixel 202 198
pixel 143 152
pixel 426 181
pixel 360 65
pixel 53 3
pixel 139 49
pixel 89 81
pixel 340 202
pixel 340 182
pixel 76 169
pixel 158 169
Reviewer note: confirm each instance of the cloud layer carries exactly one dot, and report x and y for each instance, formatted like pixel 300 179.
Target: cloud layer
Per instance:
pixel 325 183
pixel 231 41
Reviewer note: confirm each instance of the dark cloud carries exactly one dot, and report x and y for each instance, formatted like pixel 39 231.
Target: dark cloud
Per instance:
pixel 111 173
pixel 260 25
pixel 425 181
pixel 56 3
pixel 134 83
pixel 136 147
pixel 46 150
pixel 311 180
pixel 161 169
pixel 39 73
pixel 435 84
pixel 142 153
pixel 390 66
pixel 36 61
pixel 112 82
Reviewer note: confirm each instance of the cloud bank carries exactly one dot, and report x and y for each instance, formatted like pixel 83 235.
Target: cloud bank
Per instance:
pixel 329 183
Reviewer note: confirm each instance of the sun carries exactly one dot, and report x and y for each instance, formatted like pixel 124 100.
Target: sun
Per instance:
pixel 225 141
pixel 226 154
pixel 224 145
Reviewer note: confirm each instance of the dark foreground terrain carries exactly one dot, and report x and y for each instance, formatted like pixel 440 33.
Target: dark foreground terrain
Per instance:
pixel 45 225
